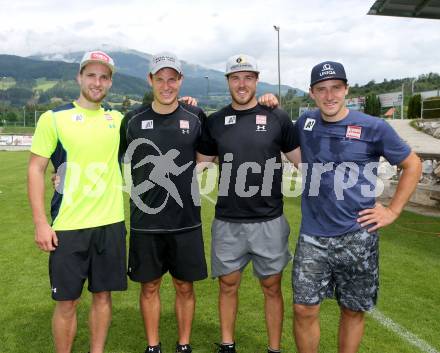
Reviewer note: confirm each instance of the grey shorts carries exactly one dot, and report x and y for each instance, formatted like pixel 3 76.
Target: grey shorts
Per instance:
pixel 233 245
pixel 345 267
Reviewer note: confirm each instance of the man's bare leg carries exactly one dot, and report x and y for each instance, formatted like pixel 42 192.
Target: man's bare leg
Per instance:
pixel 150 309
pixel 184 306
pixel 351 330
pixel 228 304
pixel 64 325
pixel 306 328
pixel 274 309
pixel 99 320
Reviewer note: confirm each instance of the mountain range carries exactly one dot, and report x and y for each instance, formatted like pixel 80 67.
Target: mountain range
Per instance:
pixel 198 80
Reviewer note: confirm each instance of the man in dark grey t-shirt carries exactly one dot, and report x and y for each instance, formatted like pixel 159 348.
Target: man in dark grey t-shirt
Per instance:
pixel 160 140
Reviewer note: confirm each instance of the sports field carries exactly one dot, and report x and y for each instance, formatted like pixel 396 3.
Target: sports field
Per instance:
pixel 407 320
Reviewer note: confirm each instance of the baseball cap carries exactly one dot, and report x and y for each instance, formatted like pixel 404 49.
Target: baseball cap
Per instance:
pixel 99 57
pixel 241 62
pixel 327 70
pixel 162 60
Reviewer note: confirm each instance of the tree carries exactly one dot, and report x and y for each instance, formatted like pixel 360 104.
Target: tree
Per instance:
pixel 372 105
pixel 291 93
pixel 126 104
pixel 415 107
pixel 148 98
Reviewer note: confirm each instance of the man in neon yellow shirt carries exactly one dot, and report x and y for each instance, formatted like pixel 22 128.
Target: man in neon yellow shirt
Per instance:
pixel 86 239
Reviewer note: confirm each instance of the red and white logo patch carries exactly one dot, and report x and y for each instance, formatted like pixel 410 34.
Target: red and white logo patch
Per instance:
pixel 353 132
pixel 184 124
pixel 261 120
pixel 96 55
pixel 108 117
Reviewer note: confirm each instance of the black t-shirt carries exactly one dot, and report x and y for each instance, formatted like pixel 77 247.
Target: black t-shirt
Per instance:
pixel 162 148
pixel 249 144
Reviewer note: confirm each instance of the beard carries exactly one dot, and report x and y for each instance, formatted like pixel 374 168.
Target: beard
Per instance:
pixel 94 98
pixel 239 100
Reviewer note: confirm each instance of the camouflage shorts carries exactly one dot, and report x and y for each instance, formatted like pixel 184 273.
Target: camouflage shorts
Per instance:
pixel 345 267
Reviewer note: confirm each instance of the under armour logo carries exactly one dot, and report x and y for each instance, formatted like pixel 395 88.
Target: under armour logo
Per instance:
pixel 150 349
pixel 54 290
pixel 185 131
pixel 261 128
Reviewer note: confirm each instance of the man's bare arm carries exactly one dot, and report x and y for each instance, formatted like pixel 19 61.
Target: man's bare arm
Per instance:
pixel 382 216
pixel 294 156
pixel 204 161
pixel 45 236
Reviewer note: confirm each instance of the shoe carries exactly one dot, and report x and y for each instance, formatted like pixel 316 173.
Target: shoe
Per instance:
pixel 185 348
pixel 153 349
pixel 226 348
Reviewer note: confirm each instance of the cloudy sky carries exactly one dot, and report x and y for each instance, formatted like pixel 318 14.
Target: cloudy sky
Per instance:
pixel 207 32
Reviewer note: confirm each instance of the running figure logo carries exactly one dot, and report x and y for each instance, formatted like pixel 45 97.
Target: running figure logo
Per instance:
pixel 163 166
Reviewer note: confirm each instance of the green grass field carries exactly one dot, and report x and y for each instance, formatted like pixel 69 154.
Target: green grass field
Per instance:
pixel 6 83
pixel 27 130
pixel 43 84
pixel 409 292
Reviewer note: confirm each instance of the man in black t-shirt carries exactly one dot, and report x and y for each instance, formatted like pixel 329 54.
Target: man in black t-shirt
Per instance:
pixel 249 223
pixel 159 143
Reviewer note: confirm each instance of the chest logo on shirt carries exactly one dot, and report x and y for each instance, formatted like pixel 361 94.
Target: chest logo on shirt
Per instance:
pixel 353 132
pixel 147 124
pixel 78 117
pixel 230 119
pixel 184 126
pixel 261 121
pixel 310 123
pixel 111 122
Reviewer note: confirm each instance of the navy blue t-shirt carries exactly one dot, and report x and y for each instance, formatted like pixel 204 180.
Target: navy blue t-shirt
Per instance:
pixel 340 167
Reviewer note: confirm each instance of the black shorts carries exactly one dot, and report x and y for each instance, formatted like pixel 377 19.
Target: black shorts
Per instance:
pixel 152 255
pixel 97 254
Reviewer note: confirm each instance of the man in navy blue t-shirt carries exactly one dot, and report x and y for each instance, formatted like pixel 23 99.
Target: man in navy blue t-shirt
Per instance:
pixel 337 250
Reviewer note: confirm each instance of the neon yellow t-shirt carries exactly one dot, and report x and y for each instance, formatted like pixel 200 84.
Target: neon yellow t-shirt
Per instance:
pixel 83 147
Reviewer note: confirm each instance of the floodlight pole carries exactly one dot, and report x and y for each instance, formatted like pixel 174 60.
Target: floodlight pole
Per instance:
pixel 207 88
pixel 412 86
pixel 277 29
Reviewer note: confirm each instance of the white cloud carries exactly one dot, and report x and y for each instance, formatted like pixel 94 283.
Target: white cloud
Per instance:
pixel 207 32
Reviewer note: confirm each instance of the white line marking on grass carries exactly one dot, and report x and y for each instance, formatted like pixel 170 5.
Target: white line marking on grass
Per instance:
pixel 388 323
pixel 209 199
pixel 402 332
